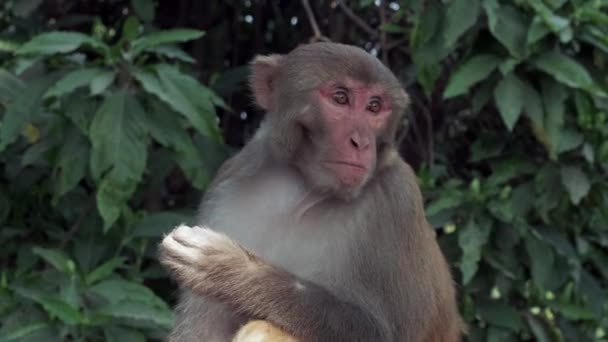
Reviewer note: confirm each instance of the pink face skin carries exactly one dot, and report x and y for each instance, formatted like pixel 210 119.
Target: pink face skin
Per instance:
pixel 355 114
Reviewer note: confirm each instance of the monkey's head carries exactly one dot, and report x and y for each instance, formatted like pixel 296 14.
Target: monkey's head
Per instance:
pixel 333 110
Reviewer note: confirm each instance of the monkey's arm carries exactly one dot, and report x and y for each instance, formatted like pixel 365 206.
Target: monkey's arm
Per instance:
pixel 213 265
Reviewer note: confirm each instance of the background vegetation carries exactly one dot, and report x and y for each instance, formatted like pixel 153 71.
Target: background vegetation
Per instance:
pixel 109 133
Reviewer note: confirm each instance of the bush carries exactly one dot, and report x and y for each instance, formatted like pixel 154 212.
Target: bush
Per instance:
pixel 107 139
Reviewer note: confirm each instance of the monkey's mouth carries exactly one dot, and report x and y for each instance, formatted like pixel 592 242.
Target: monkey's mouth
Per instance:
pixel 349 173
pixel 340 163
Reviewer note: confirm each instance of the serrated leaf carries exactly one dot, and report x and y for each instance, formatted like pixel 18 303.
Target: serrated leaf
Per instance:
pixel 541 262
pixel 164 37
pixel 166 129
pixel 120 334
pixel 60 309
pixel 564 69
pixel 23 8
pixel 71 163
pixel 554 95
pixel 50 43
pixel 119 290
pixel 509 97
pixel 475 69
pixel 508 25
pixel 576 182
pixel 172 52
pixel 460 16
pixel 73 80
pixel 538 30
pixel 103 271
pixel 136 310
pixel 500 314
pixel 533 105
pixel 22 332
pixel 144 9
pixel 52 305
pixel 10 87
pixel 447 200
pixel 427 38
pixel 573 311
pixel 120 145
pixel 157 224
pixel 184 94
pixel 101 82
pixel 56 258
pixel 471 241
pixel 23 108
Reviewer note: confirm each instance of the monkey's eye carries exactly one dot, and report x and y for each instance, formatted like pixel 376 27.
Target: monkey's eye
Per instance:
pixel 340 97
pixel 374 106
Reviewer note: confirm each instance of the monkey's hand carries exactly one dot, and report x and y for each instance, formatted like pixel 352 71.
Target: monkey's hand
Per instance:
pixel 262 331
pixel 204 260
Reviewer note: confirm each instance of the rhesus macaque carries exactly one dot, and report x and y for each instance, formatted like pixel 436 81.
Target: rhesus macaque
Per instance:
pixel 319 230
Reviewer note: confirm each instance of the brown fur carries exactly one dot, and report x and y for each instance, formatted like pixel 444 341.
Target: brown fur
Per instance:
pixel 315 259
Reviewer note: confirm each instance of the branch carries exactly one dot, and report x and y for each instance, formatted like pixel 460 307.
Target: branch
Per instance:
pixel 383 45
pixel 356 19
pixel 318 36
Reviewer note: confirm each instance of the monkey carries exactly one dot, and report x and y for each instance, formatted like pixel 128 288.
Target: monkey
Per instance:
pixel 315 230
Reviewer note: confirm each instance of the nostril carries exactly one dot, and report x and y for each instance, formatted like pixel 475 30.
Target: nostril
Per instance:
pixel 354 142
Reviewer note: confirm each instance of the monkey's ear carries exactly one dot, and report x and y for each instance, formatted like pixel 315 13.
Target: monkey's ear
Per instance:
pixel 263 73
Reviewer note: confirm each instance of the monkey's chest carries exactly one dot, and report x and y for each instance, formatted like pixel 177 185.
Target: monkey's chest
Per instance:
pixel 264 218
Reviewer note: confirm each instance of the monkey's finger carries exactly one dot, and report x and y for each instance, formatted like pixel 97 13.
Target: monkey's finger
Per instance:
pixel 175 250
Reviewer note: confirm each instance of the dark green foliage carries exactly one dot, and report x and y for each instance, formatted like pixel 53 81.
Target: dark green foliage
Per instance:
pixel 107 140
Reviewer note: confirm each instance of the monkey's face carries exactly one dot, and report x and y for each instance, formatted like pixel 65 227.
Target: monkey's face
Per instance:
pixel 342 128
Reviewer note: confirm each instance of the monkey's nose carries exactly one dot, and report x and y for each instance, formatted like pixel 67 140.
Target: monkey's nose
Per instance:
pixel 359 142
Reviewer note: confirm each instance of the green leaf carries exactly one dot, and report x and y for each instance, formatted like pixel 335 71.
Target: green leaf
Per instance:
pixel 10 87
pixel 144 9
pixel 157 224
pixel 500 314
pixel 172 52
pixel 72 161
pixel 141 311
pixel 185 95
pixel 427 37
pixel 119 290
pixel 508 25
pixel 101 82
pixel 447 200
pixel 51 304
pixel 533 105
pixel 166 129
pixel 554 95
pixel 461 15
pixel 120 144
pixel 163 37
pixel 131 28
pixel 573 311
pixel 73 80
pixel 23 8
pixel 538 30
pixel 104 270
pixel 564 69
pixel 50 43
pixel 557 24
pixel 541 262
pixel 576 182
pixel 509 97
pixel 56 258
pixel 116 333
pixel 22 332
pixel 60 309
pixel 24 107
pixel 471 240
pixel 475 69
